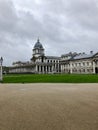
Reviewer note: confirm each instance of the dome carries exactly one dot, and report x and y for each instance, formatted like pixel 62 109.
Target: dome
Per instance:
pixel 38 45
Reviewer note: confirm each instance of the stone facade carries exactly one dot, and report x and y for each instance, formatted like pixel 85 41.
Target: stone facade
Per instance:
pixel 79 63
pixel 68 63
pixel 40 63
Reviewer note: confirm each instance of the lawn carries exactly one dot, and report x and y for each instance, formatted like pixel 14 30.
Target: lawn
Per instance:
pixel 50 78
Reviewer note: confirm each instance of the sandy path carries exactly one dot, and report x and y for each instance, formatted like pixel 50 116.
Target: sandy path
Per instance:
pixel 48 106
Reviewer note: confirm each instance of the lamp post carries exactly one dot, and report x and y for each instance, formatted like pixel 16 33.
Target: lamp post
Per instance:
pixel 1 61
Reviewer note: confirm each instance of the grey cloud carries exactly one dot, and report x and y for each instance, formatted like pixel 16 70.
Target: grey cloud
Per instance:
pixel 66 25
pixel 8 15
pixel 84 12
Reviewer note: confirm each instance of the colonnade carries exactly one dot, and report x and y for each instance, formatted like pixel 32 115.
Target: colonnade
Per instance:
pixel 92 68
pixel 47 68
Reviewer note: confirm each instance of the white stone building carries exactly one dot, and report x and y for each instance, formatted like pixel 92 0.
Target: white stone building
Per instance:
pixel 40 63
pixel 68 63
pixel 79 63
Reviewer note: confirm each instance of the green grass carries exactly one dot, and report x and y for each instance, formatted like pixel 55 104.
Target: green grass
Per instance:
pixel 50 78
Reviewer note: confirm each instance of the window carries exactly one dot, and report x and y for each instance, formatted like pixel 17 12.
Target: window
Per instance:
pixel 79 64
pixel 87 63
pixel 83 64
pixel 83 70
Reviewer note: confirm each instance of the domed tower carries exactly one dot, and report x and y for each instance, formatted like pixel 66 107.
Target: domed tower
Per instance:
pixel 38 49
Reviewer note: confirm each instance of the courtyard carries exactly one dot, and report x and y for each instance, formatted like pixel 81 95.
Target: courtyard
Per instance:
pixel 48 106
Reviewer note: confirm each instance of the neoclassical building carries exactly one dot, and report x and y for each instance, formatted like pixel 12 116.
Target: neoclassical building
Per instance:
pixel 77 63
pixel 39 63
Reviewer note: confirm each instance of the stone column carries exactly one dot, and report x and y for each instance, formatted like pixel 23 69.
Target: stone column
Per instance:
pixel 36 69
pixel 62 68
pixel 0 73
pixel 52 68
pixel 46 69
pixel 43 69
pixel 71 68
pixel 93 67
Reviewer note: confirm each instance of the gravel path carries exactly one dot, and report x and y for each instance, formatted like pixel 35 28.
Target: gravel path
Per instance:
pixel 48 106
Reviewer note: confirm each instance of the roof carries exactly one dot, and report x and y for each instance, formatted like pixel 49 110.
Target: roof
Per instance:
pixel 69 54
pixel 84 56
pixel 38 45
pixel 76 56
pixel 52 57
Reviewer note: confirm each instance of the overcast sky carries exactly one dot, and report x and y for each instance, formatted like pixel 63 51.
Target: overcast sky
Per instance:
pixel 62 26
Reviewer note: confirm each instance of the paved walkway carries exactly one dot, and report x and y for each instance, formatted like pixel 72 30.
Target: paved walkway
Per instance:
pixel 48 106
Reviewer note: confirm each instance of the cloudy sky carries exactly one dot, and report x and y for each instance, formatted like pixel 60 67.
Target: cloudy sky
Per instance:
pixel 62 26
